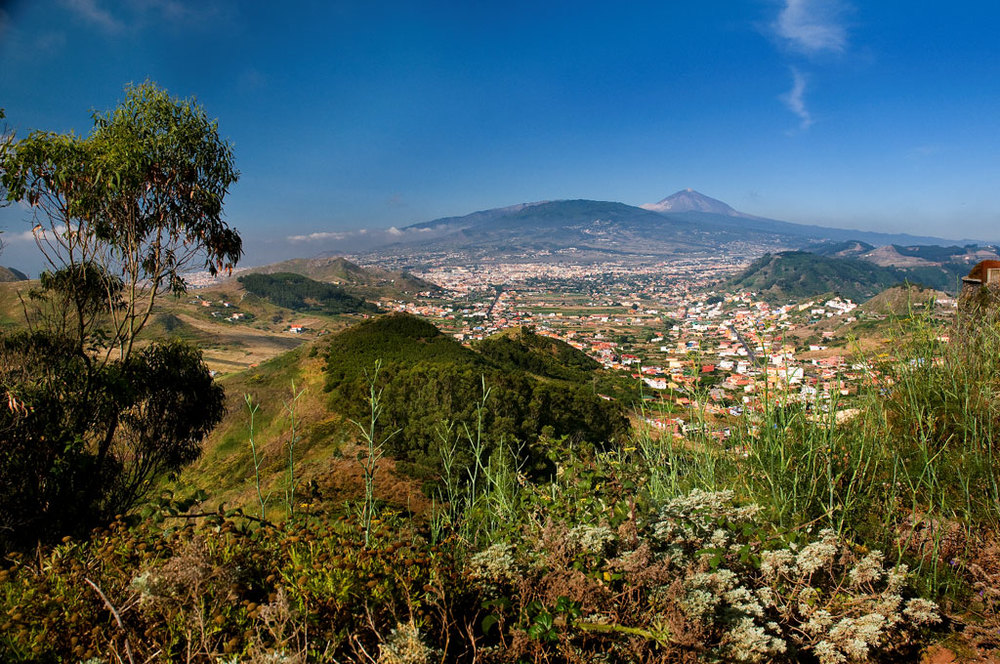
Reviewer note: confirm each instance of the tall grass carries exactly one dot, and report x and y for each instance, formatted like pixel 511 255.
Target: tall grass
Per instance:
pixel 291 407
pixel 914 471
pixel 258 459
pixel 373 442
pixel 484 500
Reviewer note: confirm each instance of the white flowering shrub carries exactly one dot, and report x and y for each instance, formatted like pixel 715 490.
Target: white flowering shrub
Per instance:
pixel 405 646
pixel 699 575
pixel 590 540
pixel 494 564
pixel 761 603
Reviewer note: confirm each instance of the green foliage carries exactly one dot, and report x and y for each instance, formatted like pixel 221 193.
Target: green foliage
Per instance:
pixel 294 291
pixel 77 301
pixel 396 338
pixel 910 469
pixel 140 198
pixel 196 593
pixel 91 419
pixel 543 356
pixel 798 274
pixel 428 379
pixel 946 277
pixel 620 576
pixel 82 442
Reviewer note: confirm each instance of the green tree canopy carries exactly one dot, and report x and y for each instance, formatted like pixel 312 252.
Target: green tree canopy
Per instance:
pixel 141 197
pixel 90 418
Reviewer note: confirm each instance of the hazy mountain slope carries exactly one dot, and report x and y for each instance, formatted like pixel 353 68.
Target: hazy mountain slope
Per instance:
pixel 682 223
pixel 843 249
pixel 10 274
pixel 888 256
pixel 689 200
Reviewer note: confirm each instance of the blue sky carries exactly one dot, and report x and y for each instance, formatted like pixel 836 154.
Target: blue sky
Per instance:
pixel 878 115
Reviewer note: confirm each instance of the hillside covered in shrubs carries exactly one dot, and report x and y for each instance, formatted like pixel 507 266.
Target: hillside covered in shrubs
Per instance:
pixel 801 539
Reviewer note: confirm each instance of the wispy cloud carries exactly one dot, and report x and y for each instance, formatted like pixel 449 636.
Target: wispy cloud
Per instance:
pixel 313 237
pixel 795 99
pixel 359 237
pixel 116 16
pixel 812 26
pixel 252 80
pixel 185 11
pixel 29 47
pixel 94 13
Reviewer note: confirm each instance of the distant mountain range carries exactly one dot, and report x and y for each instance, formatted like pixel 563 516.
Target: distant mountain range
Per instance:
pixel 684 223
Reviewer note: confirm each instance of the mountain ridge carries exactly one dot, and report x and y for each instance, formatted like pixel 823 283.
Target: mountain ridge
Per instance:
pixel 11 274
pixel 685 222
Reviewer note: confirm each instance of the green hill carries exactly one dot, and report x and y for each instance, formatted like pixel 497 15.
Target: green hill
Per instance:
pixel 393 339
pixel 166 325
pixel 366 282
pixel 799 274
pixel 299 293
pixel 431 387
pixel 945 277
pixel 523 349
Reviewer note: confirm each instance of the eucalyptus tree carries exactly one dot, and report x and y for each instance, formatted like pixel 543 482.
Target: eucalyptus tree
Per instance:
pixel 139 201
pixel 119 215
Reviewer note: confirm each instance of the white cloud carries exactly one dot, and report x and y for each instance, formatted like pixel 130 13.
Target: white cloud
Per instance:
pixel 794 99
pixel 318 236
pixel 25 236
pixel 91 11
pixel 359 237
pixel 812 26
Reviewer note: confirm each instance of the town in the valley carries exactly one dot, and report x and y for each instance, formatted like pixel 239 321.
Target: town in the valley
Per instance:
pixel 694 350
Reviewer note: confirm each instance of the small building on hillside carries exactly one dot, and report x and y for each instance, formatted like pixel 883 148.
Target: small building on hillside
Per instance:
pixel 981 289
pixel 985 273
